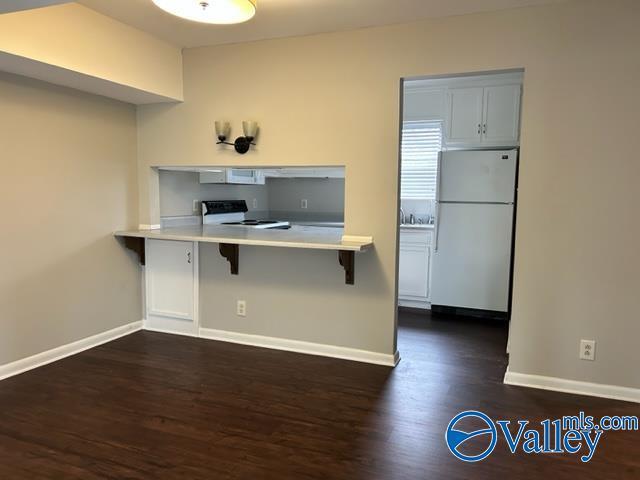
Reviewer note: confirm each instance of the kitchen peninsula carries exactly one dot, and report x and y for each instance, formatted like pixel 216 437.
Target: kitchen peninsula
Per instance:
pixel 230 238
pixel 170 257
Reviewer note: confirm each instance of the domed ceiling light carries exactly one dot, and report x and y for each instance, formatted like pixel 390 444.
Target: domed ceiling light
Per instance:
pixel 210 11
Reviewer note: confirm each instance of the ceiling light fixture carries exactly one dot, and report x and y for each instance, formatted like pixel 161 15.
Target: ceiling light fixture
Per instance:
pixel 222 12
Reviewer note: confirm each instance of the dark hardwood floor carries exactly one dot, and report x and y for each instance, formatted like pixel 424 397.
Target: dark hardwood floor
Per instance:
pixel 158 406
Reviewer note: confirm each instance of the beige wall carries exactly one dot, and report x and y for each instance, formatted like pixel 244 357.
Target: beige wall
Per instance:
pixel 334 98
pixel 77 39
pixel 68 176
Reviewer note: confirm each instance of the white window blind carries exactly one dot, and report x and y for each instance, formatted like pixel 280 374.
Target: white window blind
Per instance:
pixel 421 143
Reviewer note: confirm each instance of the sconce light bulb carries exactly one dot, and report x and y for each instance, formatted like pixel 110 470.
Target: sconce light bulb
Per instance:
pixel 222 130
pixel 250 129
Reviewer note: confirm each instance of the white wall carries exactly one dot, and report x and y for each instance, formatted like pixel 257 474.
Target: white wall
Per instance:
pixel 576 256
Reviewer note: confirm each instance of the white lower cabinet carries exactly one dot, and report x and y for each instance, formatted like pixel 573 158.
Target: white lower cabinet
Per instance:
pixel 171 275
pixel 414 268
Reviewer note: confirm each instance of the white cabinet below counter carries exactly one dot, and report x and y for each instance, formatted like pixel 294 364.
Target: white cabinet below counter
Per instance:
pixel 415 267
pixel 171 275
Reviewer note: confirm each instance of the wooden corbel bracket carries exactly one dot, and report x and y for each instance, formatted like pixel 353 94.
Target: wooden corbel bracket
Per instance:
pixel 137 245
pixel 231 252
pixel 347 260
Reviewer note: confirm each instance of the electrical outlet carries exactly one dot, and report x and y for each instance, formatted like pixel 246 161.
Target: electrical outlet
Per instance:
pixel 303 203
pixel 241 308
pixel 255 203
pixel 196 206
pixel 587 349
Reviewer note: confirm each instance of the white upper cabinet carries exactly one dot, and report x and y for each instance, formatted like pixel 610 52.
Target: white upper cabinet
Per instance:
pixel 501 115
pixel 483 112
pixel 464 116
pixel 304 172
pixel 240 176
pixel 422 104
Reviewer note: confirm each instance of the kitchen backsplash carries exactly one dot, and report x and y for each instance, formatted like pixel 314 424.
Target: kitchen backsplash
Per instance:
pixel 279 198
pixel 423 210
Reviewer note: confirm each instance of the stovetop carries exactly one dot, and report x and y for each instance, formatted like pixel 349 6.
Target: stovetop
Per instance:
pixel 261 224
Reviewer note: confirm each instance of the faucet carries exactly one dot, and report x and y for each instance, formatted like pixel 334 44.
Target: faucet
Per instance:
pixel 401 216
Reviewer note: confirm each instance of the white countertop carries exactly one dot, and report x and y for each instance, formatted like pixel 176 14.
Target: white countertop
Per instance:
pixel 417 226
pixel 319 238
pixel 319 224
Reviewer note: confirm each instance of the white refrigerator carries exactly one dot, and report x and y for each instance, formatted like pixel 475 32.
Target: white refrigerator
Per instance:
pixel 474 228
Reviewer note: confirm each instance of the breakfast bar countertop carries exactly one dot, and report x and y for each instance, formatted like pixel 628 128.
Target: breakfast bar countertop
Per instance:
pixel 298 236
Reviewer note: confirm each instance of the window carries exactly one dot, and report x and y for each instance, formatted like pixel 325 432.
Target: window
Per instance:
pixel 421 143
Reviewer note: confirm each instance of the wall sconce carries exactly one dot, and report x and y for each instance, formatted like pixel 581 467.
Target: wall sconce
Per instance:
pixel 241 144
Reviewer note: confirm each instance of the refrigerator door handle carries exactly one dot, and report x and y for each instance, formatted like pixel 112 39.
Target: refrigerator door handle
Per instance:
pixel 438 182
pixel 438 176
pixel 436 228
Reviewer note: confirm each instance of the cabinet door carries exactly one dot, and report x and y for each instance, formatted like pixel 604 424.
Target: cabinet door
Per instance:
pixel 242 176
pixel 414 271
pixel 464 116
pixel 217 176
pixel 501 124
pixel 424 104
pixel 171 271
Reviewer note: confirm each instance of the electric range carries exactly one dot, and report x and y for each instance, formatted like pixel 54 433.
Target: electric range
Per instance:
pixel 233 213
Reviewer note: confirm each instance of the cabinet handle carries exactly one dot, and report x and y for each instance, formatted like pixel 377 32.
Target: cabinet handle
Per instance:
pixel 188 257
pixel 479 129
pixel 484 129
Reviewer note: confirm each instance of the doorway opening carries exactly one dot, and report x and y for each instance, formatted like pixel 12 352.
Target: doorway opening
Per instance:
pixel 459 157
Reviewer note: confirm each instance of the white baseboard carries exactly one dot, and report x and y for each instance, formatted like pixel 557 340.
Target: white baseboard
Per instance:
pixel 572 386
pixel 149 328
pixel 58 353
pixel 302 347
pixel 407 302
